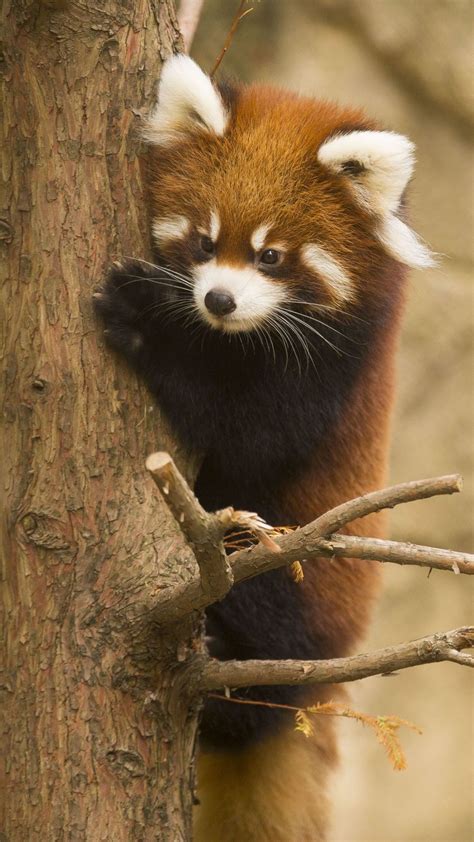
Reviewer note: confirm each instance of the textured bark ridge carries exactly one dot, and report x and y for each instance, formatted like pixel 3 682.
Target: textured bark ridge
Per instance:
pixel 81 565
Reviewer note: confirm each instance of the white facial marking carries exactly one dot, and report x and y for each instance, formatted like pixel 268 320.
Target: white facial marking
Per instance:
pixel 187 100
pixel 331 271
pixel 259 236
pixel 215 226
pixel 403 244
pixel 169 228
pixel 256 297
pixel 387 158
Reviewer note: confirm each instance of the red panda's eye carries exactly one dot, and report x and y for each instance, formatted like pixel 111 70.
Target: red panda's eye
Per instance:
pixel 270 257
pixel 207 245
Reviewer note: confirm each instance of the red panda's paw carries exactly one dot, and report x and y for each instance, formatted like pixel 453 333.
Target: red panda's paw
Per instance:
pixel 125 302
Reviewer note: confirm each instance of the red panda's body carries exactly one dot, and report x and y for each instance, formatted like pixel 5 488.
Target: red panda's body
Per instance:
pixel 267 330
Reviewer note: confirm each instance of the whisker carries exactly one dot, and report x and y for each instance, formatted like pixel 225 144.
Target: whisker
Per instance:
pixel 266 337
pixel 281 335
pixel 136 279
pixel 334 309
pixel 141 260
pixel 329 327
pixel 285 335
pixel 249 336
pixel 263 337
pixel 299 336
pixel 338 351
pixel 167 269
pixel 176 306
pixel 239 336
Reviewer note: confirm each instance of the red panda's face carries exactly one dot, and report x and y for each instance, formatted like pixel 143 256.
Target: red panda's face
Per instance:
pixel 272 204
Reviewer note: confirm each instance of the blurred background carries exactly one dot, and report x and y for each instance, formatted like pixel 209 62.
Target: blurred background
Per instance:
pixel 410 64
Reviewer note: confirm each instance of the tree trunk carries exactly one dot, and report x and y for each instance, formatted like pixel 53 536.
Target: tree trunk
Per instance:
pixel 97 738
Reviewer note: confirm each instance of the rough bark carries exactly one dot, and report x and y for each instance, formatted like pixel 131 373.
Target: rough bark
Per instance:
pixel 86 758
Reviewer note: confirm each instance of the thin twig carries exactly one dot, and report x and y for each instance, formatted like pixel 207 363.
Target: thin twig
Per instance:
pixel 398 552
pixel 443 646
pixel 188 19
pixel 405 492
pixel 239 15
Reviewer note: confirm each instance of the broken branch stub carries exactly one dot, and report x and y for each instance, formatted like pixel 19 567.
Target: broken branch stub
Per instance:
pixel 203 531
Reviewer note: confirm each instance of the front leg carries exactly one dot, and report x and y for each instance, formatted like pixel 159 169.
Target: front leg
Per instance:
pixel 135 305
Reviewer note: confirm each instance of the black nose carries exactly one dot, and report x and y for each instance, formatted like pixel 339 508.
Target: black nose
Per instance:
pixel 219 302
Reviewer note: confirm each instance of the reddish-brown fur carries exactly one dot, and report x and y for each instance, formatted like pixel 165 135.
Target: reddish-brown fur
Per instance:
pixel 355 462
pixel 268 156
pixel 264 169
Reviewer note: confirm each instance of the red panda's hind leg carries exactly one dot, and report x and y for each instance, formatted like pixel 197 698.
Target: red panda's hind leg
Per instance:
pixel 272 791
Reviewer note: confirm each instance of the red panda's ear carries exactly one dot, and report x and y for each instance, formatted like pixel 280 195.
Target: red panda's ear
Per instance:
pixel 378 166
pixel 187 100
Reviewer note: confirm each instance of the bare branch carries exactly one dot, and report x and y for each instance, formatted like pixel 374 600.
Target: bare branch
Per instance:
pixel 309 541
pixel 443 646
pixel 297 546
pixel 205 532
pixel 188 19
pixel 202 530
pixel 405 492
pixel 398 552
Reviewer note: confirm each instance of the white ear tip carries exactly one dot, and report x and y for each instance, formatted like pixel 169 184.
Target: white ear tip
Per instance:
pixel 386 159
pixel 404 245
pixel 399 141
pixel 186 98
pixel 179 74
pixel 178 64
pixel 368 147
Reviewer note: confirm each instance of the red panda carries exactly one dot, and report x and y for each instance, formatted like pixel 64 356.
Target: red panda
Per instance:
pixel 266 329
